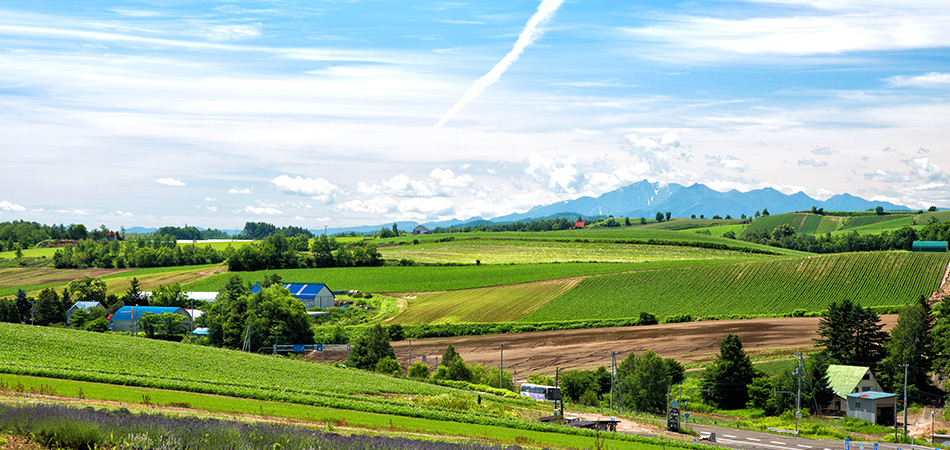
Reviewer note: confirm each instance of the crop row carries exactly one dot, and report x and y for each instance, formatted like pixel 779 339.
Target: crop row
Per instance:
pixel 507 251
pixel 437 278
pixel 765 287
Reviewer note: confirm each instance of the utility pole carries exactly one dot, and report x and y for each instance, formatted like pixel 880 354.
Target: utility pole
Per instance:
pixel 798 399
pixel 501 366
pixel 905 400
pixel 323 346
pixel 613 377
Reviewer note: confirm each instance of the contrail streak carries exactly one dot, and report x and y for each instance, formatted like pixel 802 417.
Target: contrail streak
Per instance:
pixel 530 33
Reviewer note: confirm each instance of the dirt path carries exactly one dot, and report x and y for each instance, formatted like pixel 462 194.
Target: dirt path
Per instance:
pixel 692 342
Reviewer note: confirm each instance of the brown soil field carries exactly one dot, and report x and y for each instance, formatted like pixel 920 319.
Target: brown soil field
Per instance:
pixel 691 342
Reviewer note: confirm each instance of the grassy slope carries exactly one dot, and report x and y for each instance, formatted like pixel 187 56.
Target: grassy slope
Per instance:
pixel 767 287
pixel 490 304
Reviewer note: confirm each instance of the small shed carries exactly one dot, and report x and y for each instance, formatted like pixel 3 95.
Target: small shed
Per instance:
pixel 929 246
pixel 127 317
pixel 873 406
pixel 844 380
pixel 81 305
pixel 313 295
pixel 421 229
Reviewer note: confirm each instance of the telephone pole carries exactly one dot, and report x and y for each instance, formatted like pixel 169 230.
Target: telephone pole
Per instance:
pixel 905 399
pixel 798 399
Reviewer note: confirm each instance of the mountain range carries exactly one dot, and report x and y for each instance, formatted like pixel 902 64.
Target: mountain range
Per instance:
pixel 645 199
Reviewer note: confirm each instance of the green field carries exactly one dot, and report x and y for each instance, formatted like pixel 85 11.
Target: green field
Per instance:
pixel 259 384
pixel 30 253
pixel 606 235
pixel 217 245
pixel 507 251
pixel 765 287
pixel 435 278
pixel 491 304
pixel 35 279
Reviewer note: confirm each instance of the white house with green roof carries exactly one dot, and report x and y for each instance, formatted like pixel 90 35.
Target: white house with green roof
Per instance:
pixel 845 380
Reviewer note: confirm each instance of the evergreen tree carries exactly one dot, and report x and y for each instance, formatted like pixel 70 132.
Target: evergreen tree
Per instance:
pixel 134 295
pixel 23 305
pixel 49 308
pixel 8 311
pixel 729 377
pixel 449 356
pixel 911 343
pixel 369 348
pixel 851 334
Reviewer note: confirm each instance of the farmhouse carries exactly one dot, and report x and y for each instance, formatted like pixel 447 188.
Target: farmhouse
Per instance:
pixel 312 295
pixel 126 318
pixel 421 229
pixel 845 380
pixel 84 306
pixel 873 406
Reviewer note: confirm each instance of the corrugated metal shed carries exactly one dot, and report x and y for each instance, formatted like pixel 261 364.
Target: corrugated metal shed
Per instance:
pixel 929 246
pixel 311 294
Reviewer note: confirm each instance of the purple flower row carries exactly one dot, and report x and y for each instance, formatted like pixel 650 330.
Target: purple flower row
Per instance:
pixel 74 428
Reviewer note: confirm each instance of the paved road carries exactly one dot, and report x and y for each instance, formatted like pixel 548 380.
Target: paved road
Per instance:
pixel 746 439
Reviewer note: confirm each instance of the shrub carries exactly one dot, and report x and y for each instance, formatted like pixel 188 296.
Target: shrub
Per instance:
pixel 418 370
pixel 389 366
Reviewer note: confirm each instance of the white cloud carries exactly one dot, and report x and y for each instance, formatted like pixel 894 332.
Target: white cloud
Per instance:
pixel 888 176
pixel 212 208
pixel 726 162
pixel 561 175
pixel 811 163
pixel 658 153
pixel 169 181
pixel 240 191
pixel 123 213
pixel 926 170
pixel 447 178
pixel 376 205
pixel 824 151
pixel 318 188
pixel 263 211
pixel 232 32
pixel 210 199
pixel 77 212
pixel 929 80
pixel 7 206
pixel 442 183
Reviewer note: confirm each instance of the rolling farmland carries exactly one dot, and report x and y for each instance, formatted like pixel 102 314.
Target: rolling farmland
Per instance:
pixel 437 278
pixel 766 287
pixel 489 304
pixel 506 251
pixel 34 280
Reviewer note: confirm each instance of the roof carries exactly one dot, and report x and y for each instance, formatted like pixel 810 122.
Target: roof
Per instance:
pixel 421 227
pixel 843 379
pixel 202 296
pixel 872 395
pixel 87 305
pixel 125 312
pixel 200 331
pixel 302 291
pixel 195 313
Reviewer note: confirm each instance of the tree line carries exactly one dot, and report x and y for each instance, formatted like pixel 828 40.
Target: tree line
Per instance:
pixel 280 252
pixel 141 251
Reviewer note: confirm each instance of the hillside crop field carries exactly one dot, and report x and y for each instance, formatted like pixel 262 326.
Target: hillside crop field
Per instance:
pixel 764 287
pixel 629 235
pixel 435 278
pixel 508 251
pixel 33 280
pixel 489 304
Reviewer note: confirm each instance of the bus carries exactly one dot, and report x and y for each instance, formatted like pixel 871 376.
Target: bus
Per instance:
pixel 540 392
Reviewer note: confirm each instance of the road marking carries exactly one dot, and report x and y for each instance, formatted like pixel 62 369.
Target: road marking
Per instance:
pixel 805 446
pixel 728 436
pixel 778 443
pixel 757 445
pixel 754 439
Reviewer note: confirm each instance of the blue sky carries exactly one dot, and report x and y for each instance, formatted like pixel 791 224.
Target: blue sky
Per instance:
pixel 324 113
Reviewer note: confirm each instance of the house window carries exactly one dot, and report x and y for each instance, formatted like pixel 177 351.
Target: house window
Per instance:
pixel 857 404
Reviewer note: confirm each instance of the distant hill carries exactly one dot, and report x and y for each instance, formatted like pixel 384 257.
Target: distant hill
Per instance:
pixel 645 199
